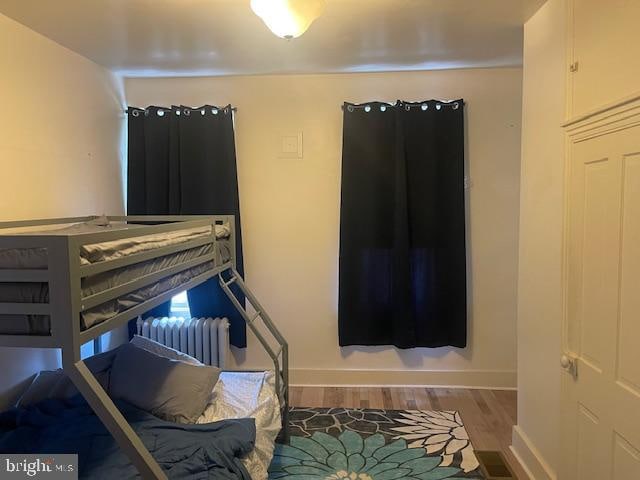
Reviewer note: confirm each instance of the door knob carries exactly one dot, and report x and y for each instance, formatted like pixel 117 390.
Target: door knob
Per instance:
pixel 569 364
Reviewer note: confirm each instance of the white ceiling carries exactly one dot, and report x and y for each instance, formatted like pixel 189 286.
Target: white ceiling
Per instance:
pixel 214 37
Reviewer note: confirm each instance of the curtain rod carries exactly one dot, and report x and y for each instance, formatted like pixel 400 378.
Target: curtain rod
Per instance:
pixel 136 111
pixel 407 105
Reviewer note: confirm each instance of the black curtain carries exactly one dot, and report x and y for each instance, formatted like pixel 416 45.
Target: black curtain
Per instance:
pixel 182 161
pixel 402 225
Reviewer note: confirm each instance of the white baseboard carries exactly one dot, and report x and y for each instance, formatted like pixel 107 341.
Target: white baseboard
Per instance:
pixel 495 379
pixel 529 457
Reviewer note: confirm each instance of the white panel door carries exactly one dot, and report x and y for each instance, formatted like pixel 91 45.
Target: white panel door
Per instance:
pixel 601 387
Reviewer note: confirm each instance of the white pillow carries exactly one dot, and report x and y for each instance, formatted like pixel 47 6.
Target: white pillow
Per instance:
pixel 163 351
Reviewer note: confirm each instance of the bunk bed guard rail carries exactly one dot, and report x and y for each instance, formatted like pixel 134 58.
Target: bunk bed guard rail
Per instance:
pixel 64 273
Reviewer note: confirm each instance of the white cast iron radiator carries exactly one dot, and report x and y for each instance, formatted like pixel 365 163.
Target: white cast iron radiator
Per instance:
pixel 206 339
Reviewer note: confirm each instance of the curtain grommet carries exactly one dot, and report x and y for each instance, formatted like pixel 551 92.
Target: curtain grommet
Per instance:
pixel 350 108
pixel 455 106
pixel 438 106
pixel 383 108
pixel 424 107
pixel 135 113
pixel 214 111
pixel 407 107
pixel 187 112
pixel 367 108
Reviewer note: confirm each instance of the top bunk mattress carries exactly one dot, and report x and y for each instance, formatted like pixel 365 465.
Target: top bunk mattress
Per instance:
pixel 36 258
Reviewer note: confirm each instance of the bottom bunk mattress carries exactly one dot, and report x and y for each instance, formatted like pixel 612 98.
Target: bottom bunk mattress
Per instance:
pixel 236 395
pixel 210 451
pixel 249 395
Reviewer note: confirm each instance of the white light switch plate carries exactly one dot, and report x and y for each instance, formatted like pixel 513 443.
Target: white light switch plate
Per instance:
pixel 290 145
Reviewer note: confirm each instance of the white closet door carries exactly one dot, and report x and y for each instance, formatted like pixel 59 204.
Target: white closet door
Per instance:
pixel 601 388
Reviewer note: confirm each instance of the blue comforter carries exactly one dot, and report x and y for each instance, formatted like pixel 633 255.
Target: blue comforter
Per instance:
pixel 209 451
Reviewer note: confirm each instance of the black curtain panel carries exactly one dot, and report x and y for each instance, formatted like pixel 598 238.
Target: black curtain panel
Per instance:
pixel 182 161
pixel 151 187
pixel 402 274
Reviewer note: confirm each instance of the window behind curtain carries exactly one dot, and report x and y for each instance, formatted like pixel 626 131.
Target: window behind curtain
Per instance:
pixel 180 306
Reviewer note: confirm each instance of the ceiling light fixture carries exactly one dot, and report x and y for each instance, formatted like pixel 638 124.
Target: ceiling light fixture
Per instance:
pixel 288 18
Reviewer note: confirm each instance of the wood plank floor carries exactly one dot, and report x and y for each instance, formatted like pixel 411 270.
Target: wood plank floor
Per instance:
pixel 488 415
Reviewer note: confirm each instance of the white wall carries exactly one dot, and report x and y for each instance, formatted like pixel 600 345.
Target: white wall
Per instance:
pixel 60 139
pixel 290 213
pixel 536 437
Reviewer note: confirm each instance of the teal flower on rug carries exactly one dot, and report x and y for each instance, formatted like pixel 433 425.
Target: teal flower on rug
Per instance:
pixel 350 457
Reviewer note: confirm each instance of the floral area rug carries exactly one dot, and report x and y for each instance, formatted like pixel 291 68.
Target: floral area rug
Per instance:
pixel 368 444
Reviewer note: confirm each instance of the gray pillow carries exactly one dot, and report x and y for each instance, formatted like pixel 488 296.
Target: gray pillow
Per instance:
pixel 170 389
pixel 40 387
pixel 164 351
pixel 56 384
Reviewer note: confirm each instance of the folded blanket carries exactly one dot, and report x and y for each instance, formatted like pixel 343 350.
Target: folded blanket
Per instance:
pixel 208 451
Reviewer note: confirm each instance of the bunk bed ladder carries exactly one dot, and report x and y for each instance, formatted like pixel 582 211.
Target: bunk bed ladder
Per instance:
pixel 280 357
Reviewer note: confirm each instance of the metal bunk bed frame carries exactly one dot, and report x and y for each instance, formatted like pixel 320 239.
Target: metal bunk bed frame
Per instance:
pixel 64 274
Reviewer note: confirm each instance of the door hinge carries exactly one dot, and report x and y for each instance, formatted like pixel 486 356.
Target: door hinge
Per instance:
pixel 574 67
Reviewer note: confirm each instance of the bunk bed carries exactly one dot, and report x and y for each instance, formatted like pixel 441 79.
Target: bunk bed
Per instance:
pixel 61 287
